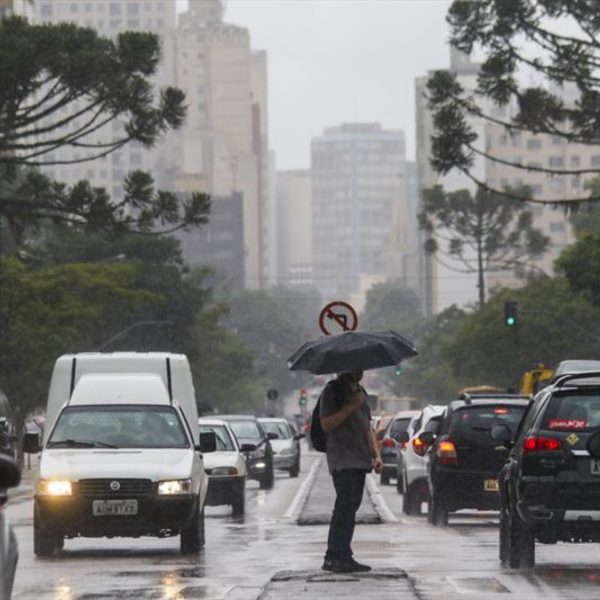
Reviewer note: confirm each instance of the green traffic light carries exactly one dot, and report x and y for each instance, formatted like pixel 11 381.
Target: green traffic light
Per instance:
pixel 510 321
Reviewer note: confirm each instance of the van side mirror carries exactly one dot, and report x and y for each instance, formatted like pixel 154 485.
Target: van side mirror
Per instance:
pixel 299 436
pixel 501 433
pixel 402 437
pixel 208 442
pixel 272 436
pixel 247 448
pixel 31 443
pixel 10 475
pixel 427 437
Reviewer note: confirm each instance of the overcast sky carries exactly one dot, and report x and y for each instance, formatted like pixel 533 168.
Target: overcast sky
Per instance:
pixel 333 61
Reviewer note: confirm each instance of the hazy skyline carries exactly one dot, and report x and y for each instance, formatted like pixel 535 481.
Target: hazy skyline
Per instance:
pixel 334 61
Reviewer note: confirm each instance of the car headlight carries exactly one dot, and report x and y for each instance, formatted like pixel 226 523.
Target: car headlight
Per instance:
pixel 175 487
pixel 222 471
pixel 55 487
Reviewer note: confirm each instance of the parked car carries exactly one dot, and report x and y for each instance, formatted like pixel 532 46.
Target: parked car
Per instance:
pixel 226 468
pixel 550 485
pixel 122 455
pixel 390 446
pixel 10 476
pixel 464 460
pixel 286 446
pixel 413 458
pixel 259 460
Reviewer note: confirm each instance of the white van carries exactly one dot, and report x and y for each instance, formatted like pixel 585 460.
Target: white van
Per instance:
pixel 121 453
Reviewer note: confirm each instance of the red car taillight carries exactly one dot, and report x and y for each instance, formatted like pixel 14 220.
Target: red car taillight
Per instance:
pixel 446 452
pixel 540 444
pixel 419 447
pixel 388 443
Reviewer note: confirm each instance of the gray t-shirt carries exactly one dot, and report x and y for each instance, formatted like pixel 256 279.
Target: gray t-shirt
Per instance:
pixel 348 445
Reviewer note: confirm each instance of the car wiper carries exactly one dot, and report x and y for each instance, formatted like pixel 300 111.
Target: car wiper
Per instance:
pixel 70 443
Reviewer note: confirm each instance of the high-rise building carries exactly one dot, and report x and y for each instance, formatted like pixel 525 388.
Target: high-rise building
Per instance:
pixel 224 144
pixel 359 206
pixel 110 18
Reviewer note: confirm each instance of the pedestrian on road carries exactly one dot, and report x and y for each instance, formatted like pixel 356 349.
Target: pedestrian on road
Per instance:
pixel 352 452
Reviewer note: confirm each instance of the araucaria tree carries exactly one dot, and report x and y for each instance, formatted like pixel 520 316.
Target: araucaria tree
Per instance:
pixel 66 86
pixel 480 233
pixel 553 42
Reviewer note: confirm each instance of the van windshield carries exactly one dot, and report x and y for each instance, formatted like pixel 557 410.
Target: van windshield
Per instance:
pixel 118 427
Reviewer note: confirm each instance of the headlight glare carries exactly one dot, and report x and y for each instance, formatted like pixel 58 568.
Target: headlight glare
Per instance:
pixel 55 488
pixel 175 487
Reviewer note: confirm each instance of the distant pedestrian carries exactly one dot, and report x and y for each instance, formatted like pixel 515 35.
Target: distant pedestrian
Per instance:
pixel 352 452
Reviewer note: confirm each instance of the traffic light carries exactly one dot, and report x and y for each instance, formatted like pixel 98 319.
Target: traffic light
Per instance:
pixel 510 313
pixel 303 397
pixel 398 370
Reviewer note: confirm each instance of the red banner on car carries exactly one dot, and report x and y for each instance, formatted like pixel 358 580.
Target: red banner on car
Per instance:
pixel 567 424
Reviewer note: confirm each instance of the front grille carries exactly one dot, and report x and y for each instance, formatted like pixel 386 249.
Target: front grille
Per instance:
pixel 101 488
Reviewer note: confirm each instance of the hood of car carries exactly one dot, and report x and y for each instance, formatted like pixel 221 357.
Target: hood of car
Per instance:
pixel 213 460
pixel 279 445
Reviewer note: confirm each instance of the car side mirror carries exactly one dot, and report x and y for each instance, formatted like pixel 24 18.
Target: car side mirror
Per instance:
pixel 31 443
pixel 501 433
pixel 427 437
pixel 299 436
pixel 208 442
pixel 402 437
pixel 10 475
pixel 247 448
pixel 272 436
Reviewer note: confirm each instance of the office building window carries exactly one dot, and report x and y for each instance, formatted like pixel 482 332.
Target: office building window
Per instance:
pixel 575 161
pixel 557 227
pixel 88 7
pixel 534 144
pixel 74 8
pixel 557 140
pixel 556 161
pixel 46 10
pixel 133 9
pixel 115 9
pixel 576 182
pixel 595 160
pixel 115 23
pixel 133 23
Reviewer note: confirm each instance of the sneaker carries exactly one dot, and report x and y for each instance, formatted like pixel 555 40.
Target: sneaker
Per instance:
pixel 327 564
pixel 341 566
pixel 358 567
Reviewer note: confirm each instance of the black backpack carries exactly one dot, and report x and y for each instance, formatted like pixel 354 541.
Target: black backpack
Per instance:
pixel 318 437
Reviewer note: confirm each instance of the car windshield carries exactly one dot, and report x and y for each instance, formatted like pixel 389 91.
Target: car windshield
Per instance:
pixel 475 423
pixel 570 412
pixel 246 430
pixel 279 428
pixel 399 426
pixel 224 441
pixel 119 427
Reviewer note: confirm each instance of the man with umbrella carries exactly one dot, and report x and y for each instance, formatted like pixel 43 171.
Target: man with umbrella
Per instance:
pixel 346 418
pixel 351 453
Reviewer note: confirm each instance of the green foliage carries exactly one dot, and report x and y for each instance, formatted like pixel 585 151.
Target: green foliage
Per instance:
pixel 587 218
pixel 391 305
pixel 482 233
pixel 518 35
pixel 580 264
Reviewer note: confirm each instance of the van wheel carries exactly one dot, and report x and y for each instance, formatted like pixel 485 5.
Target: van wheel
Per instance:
pixel 519 543
pixel 238 506
pixel 437 511
pixel 47 540
pixel 192 536
pixel 411 501
pixel 400 482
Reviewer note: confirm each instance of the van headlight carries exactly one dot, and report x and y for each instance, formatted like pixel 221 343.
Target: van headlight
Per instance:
pixel 175 487
pixel 55 487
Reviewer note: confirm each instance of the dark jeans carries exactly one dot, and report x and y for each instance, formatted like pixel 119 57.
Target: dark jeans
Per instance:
pixel 349 486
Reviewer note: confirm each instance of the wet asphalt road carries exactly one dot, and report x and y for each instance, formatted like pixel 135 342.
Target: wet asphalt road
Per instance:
pixel 241 556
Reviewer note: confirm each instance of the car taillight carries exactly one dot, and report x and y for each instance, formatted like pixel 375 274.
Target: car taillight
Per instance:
pixel 540 444
pixel 388 443
pixel 446 452
pixel 419 447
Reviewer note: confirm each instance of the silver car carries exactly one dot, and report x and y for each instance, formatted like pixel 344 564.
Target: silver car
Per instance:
pixel 286 446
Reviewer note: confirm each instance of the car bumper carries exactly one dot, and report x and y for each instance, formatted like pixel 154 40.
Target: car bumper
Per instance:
pixel 156 516
pixel 223 490
pixel 466 489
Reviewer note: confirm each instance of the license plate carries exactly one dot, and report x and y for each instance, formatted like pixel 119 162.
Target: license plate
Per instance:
pixel 490 485
pixel 595 466
pixel 114 508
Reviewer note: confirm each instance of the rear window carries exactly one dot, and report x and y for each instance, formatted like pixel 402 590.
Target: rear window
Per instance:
pixel 476 422
pixel 398 426
pixel 573 412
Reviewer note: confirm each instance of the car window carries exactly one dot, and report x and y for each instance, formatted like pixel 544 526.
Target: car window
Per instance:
pixel 120 426
pixel 246 429
pixel 224 441
pixel 475 423
pixel 398 426
pixel 568 412
pixel 280 428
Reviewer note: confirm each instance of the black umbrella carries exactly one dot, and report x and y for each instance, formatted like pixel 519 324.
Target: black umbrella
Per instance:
pixel 352 351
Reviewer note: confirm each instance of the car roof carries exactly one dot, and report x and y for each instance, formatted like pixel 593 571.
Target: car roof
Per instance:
pixel 211 421
pixel 490 401
pixel 236 417
pixel 406 414
pixel 272 420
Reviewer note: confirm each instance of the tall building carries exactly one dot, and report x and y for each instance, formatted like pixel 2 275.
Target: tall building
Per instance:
pixel 359 205
pixel 439 286
pixel 110 19
pixel 224 144
pixel 294 228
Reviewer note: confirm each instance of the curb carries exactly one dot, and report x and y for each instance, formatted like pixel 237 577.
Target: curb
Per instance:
pixel 300 499
pixel 381 508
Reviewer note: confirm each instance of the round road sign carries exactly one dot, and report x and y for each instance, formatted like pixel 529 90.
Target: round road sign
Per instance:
pixel 337 317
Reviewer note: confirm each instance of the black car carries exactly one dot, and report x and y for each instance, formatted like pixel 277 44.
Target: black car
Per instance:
pixel 464 460
pixel 550 485
pixel 259 460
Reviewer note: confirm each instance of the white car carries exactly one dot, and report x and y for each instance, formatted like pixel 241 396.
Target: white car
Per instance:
pixel 226 467
pixel 414 458
pixel 286 446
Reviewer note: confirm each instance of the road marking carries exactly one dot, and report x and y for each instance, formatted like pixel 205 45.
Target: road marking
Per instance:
pixel 385 513
pixel 293 512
